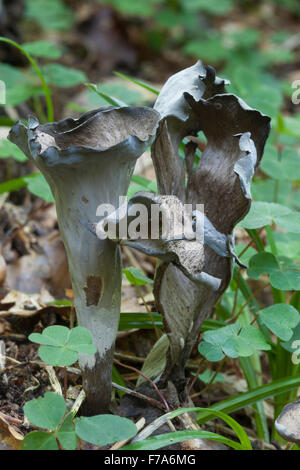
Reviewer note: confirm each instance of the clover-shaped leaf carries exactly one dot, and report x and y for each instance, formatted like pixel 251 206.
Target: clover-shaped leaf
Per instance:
pixel 66 433
pixel 62 345
pixel 232 341
pixel 46 412
pixel 39 440
pixel 265 213
pixel 281 319
pixel 283 274
pixel 285 168
pixel 104 429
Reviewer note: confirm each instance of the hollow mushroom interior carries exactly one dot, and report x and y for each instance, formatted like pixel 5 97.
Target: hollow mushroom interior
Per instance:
pixel 101 129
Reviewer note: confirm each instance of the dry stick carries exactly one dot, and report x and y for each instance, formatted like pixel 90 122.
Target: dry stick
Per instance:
pixel 205 389
pixel 193 382
pixel 260 289
pixel 11 419
pixel 128 357
pixel 148 380
pixel 65 382
pixel 151 401
pixel 251 241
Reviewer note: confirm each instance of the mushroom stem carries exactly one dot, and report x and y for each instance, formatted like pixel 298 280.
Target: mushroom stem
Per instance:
pixel 88 162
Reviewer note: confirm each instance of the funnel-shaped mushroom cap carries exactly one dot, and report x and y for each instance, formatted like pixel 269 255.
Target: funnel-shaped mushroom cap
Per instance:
pixel 120 134
pixel 88 162
pixel 178 121
pixel 199 81
pixel 288 423
pixel 192 101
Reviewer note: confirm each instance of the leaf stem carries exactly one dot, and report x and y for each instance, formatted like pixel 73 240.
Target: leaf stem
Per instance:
pixel 50 113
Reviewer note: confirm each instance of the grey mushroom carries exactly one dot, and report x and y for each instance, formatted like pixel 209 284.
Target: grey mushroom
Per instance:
pixel 191 101
pixel 288 423
pixel 87 162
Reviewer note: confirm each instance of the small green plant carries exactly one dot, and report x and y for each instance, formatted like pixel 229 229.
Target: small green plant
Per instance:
pixel 61 429
pixel 61 345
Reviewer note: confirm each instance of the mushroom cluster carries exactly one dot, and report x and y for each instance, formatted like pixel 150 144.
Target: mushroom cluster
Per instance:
pixel 89 161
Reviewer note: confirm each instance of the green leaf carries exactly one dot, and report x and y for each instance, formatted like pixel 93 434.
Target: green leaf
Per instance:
pixel 14 184
pixel 46 412
pixel 66 433
pixel 61 345
pixel 39 187
pixel 163 440
pixel 139 8
pixel 283 274
pixel 155 361
pixel 45 49
pixel 285 168
pixel 148 185
pixel 138 82
pixel 233 341
pixel 212 352
pixel 39 440
pixel 101 430
pixel 255 395
pixel 289 222
pixel 63 77
pixel 239 431
pixel 139 320
pixel 117 378
pixel 291 125
pixel 208 49
pixel 8 149
pixel 22 93
pixel 136 277
pixel 12 76
pixel 265 213
pixel 50 15
pixel 281 319
pixel 119 91
pixel 57 356
pixel 107 98
pixel 213 7
pixel 52 336
pixel 269 190
pixel 80 340
pixel 208 375
pixel 289 345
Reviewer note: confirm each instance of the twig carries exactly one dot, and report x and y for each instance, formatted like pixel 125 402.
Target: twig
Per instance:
pixel 78 402
pixel 207 387
pixel 53 379
pixel 148 380
pixel 251 241
pixel 139 424
pixel 141 360
pixel 260 289
pixel 151 401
